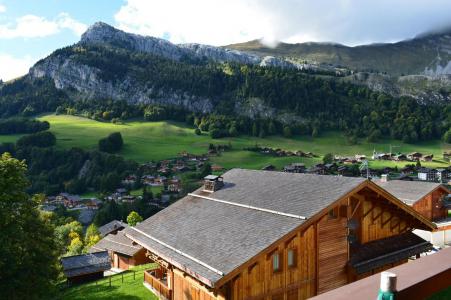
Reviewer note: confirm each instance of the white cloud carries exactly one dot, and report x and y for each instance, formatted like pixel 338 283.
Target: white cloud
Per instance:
pixel 12 67
pixel 31 26
pixel 220 22
pixel 2 8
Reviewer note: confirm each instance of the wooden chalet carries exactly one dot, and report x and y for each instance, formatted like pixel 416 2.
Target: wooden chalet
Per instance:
pixel 123 252
pixel 425 197
pixel 275 235
pixel 428 199
pixel 85 267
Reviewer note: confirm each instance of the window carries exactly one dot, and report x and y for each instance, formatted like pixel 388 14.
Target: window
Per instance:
pixel 291 258
pixel 276 262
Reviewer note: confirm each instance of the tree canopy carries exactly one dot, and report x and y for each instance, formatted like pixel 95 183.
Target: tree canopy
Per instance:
pixel 28 251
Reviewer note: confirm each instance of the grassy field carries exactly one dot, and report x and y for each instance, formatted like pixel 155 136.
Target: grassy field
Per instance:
pixel 130 289
pixel 145 141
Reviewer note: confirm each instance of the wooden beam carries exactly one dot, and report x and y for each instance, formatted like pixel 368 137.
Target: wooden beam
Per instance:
pixel 396 224
pixel 378 215
pixel 355 209
pixel 370 210
pixel 386 221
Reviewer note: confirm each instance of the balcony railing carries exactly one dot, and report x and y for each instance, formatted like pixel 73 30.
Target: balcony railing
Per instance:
pixel 159 285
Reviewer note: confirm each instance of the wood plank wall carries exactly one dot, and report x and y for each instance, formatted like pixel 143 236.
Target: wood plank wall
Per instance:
pixel 332 253
pixel 299 282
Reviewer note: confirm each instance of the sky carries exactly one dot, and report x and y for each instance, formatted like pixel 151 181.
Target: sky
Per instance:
pixel 32 29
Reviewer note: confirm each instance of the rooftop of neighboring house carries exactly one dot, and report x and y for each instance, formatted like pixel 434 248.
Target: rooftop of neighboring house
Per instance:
pixel 111 226
pixel 408 191
pixel 83 264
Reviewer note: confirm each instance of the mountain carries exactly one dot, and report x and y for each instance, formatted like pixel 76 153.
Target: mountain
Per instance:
pixel 113 74
pixel 427 54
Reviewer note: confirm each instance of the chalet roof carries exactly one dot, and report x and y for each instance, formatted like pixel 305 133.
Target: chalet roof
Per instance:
pixel 381 252
pixel 408 191
pixel 111 226
pixel 211 238
pixel 86 263
pixel 118 243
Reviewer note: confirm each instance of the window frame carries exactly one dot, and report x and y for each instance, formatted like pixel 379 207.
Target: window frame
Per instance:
pixel 293 250
pixel 279 265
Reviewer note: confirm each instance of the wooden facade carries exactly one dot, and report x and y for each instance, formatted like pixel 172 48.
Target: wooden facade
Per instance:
pixel 431 205
pixel 124 262
pixel 312 259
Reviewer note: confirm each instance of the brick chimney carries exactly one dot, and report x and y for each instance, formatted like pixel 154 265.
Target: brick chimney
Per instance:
pixel 212 183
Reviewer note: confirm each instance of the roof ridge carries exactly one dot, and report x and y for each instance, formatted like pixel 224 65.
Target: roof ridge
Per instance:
pixel 249 207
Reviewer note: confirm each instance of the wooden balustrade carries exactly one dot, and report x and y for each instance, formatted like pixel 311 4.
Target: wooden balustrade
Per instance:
pixel 157 285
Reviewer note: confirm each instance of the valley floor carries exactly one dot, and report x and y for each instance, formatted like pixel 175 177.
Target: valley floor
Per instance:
pixel 146 141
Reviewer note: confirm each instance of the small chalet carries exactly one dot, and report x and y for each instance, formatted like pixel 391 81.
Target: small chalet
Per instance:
pixel 424 197
pixel 274 235
pixel 112 227
pixel 428 157
pixel 85 267
pixel 428 199
pixel 295 168
pixel 173 185
pixel 123 252
pixel 69 200
pixel 414 156
pixel 400 157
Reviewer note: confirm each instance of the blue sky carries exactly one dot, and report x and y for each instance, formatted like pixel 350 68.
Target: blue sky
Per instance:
pixel 32 29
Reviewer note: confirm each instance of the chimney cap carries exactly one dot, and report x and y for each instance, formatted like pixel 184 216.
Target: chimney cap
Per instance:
pixel 212 177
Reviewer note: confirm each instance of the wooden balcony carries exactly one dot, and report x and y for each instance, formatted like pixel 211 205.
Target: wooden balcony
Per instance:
pixel 156 281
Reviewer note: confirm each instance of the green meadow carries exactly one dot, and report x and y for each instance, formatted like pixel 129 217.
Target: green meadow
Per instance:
pixel 146 141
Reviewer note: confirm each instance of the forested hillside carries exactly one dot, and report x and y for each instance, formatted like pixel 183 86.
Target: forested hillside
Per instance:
pixel 233 98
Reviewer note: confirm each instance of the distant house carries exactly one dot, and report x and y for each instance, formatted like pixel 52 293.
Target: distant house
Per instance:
pixel 93 203
pixel 129 180
pixel 400 157
pixel 428 157
pixel 414 156
pixel 276 235
pixel 426 174
pixel 128 199
pixel 85 267
pixel 173 185
pixel 112 227
pixel 443 175
pixel 295 168
pixel 69 201
pixel 123 252
pixel 447 156
pixel 360 157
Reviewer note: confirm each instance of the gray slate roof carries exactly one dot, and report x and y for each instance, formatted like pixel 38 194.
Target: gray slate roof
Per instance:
pixel 86 263
pixel 299 194
pixel 118 243
pixel 408 191
pixel 111 226
pixel 224 236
